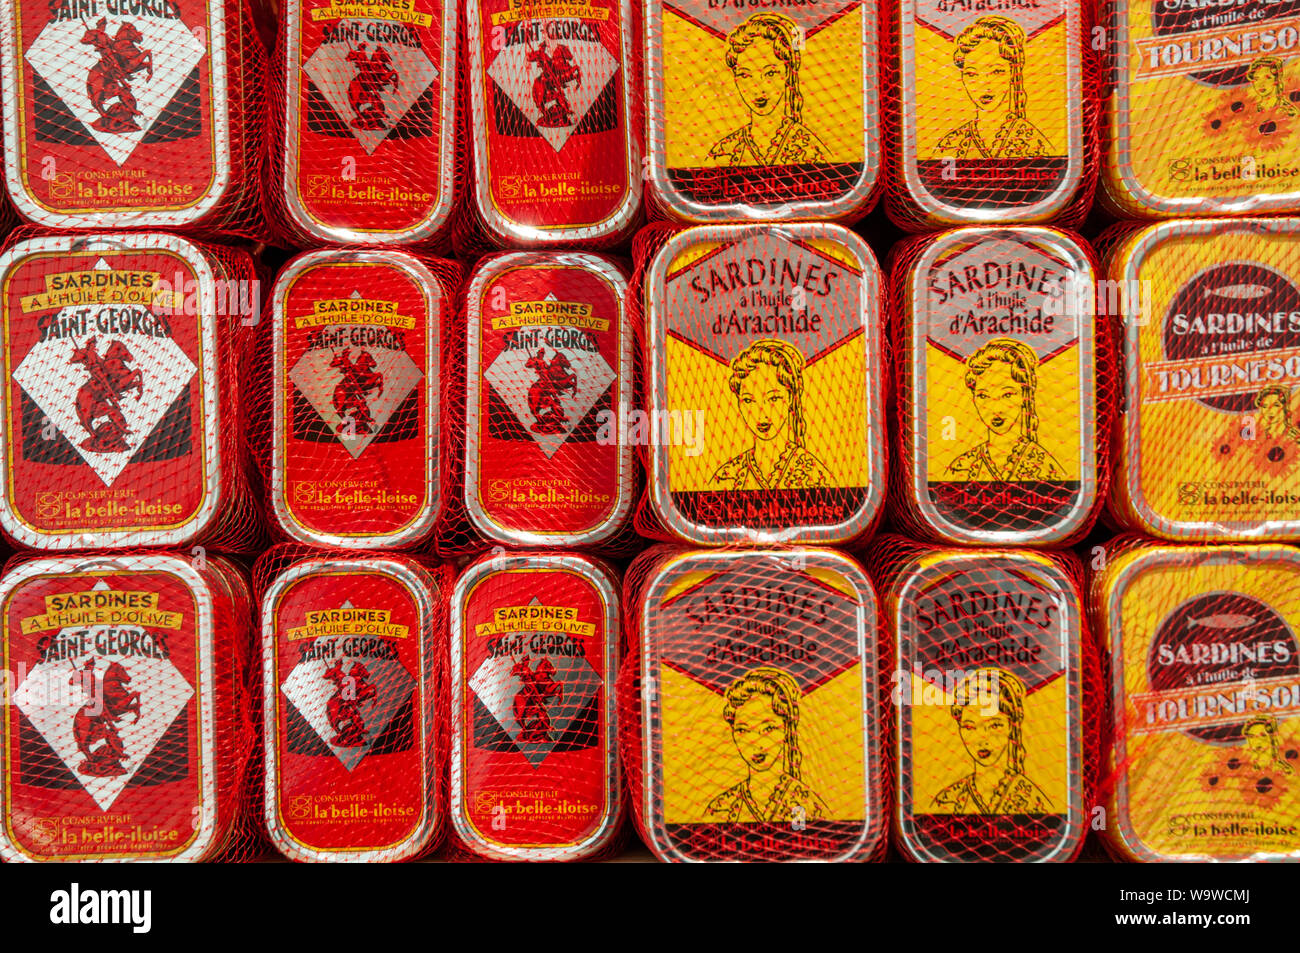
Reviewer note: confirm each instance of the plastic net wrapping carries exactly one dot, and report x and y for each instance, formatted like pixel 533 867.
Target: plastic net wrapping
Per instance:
pixel 129 735
pixel 765 383
pixel 997 692
pixel 353 357
pixel 990 115
pixel 1207 436
pixel 762 113
pixel 753 705
pixel 1200 111
pixel 1006 386
pixel 124 398
pixel 353 702
pixel 364 111
pixel 1203 677
pixel 536 442
pixel 553 128
pixel 151 116
pixel 535 648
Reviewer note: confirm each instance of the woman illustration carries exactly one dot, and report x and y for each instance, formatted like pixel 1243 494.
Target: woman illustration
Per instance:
pixel 1274 405
pixel 1265 76
pixel 994 739
pixel 763 56
pixel 767 379
pixel 1002 379
pixel 762 709
pixel 1261 744
pixel 990 53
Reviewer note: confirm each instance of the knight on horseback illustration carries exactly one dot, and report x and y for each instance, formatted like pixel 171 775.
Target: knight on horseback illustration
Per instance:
pixel 375 72
pixel 538 690
pixel 94 727
pixel 343 709
pixel 558 70
pixel 99 400
pixel 553 379
pixel 352 393
pixel 108 82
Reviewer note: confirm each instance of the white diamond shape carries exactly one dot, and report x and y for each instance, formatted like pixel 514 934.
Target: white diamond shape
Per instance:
pixel 332 74
pixel 512 380
pixel 50 378
pixel 309 691
pixel 517 77
pixel 44 698
pixel 65 63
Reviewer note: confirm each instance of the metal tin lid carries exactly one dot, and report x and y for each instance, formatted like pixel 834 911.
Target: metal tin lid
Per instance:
pixel 1210 428
pixel 350 689
pixel 550 373
pixel 355 456
pixel 1194 141
pixel 1001 401
pixel 556 156
pixel 87 149
pixel 990 708
pixel 111 398
pixel 1205 691
pixel 1033 166
pixel 728 141
pixel 109 744
pixel 736 645
pixel 534 756
pixel 788 313
pixel 370 118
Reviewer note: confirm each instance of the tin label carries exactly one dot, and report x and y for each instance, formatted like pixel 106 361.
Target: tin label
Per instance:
pixel 1004 410
pixel 768 404
pixel 358 398
pixel 1231 69
pixel 1213 437
pixel 1211 683
pixel 119 107
pixel 109 392
pixel 765 107
pixel 759 739
pixel 550 369
pixel 550 90
pixel 369 122
pixel 105 737
pixel 995 120
pixel 989 714
pixel 348 713
pixel 534 765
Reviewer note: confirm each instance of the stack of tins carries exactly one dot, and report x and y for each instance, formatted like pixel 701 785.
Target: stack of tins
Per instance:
pixel 122 374
pixel 991 117
pixel 129 736
pixel 147 116
pixel 354 703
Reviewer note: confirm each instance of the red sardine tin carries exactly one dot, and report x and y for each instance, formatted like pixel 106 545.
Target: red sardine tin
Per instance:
pixel 111 398
pixel 355 461
pixel 350 676
pixel 556 154
pixel 550 366
pixel 534 766
pixel 369 121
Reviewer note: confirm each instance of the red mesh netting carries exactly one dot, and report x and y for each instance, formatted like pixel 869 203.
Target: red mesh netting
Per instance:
pixel 1007 387
pixel 132 733
pixel 150 117
pixel 352 698
pixel 997 692
pixel 759 114
pixel 1203 668
pixel 552 128
pixel 347 424
pixel 125 391
pixel 535 646
pixel 753 705
pixel 1000 115
pixel 765 383
pixel 533 442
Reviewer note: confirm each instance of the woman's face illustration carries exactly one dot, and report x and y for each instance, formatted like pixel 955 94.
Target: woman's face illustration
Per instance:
pixel 985 735
pixel 1263 82
pixel 759 733
pixel 1258 742
pixel 760 77
pixel 998 398
pixel 986 76
pixel 764 403
pixel 1272 415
